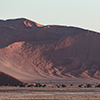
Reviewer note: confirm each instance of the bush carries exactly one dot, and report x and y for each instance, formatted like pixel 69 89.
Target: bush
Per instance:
pixel 38 85
pixel 58 86
pixel 63 85
pixel 44 85
pixel 29 85
pixel 98 85
pixel 22 85
pixel 80 85
pixel 89 85
pixel 16 84
pixel 71 85
pixel 6 84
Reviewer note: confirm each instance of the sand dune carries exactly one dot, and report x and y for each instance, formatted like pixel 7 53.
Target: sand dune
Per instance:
pixel 31 51
pixel 6 79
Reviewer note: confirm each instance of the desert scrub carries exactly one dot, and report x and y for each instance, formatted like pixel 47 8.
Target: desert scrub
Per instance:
pixel 38 85
pixel 22 85
pixel 97 85
pixel 63 85
pixel 80 85
pixel 88 85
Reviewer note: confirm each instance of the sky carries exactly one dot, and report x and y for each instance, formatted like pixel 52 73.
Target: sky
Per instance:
pixel 78 13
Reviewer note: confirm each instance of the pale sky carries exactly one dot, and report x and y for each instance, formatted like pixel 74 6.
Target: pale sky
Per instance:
pixel 78 13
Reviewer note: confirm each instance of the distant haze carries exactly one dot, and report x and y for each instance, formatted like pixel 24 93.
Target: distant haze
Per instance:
pixel 80 13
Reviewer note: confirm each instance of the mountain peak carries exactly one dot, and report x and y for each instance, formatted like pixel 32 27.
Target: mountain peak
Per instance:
pixel 26 22
pixel 19 23
pixel 29 23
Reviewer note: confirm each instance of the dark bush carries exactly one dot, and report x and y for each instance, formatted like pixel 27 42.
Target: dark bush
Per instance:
pixel 71 85
pixel 38 85
pixel 80 85
pixel 89 85
pixel 16 85
pixel 22 85
pixel 6 84
pixel 44 85
pixel 63 85
pixel 29 85
pixel 58 86
pixel 98 85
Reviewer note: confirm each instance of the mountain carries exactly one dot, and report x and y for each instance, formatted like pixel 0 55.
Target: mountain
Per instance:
pixel 31 51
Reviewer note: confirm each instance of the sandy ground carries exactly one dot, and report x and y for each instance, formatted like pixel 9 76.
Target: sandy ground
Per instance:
pixel 40 93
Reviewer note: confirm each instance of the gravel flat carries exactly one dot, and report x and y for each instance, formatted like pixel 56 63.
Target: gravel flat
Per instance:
pixel 28 93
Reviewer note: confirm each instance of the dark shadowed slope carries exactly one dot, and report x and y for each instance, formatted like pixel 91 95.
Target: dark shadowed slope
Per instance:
pixel 6 79
pixel 33 51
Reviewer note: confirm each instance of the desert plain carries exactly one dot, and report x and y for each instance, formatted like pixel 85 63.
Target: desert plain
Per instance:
pixel 34 93
pixel 53 91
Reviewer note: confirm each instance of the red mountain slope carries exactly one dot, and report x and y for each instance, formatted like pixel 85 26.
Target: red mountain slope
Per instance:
pixel 31 51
